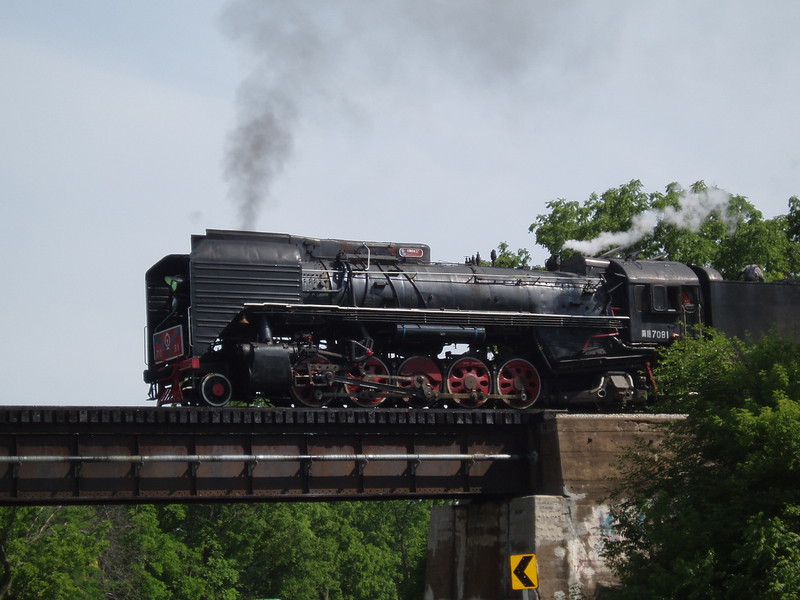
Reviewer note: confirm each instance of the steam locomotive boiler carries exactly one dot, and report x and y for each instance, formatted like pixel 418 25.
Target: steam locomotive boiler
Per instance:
pixel 324 322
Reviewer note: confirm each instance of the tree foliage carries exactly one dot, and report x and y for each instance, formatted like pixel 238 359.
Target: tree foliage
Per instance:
pixel 50 552
pixel 714 511
pixel 571 220
pixel 303 551
pixel 510 259
pixel 727 234
pixel 162 553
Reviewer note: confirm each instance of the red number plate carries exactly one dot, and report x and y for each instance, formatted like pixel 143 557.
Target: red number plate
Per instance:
pixel 168 344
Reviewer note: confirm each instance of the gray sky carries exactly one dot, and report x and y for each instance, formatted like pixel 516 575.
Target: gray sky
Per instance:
pixel 445 122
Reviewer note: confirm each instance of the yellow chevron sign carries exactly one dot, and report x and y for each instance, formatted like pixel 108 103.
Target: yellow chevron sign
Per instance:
pixel 524 574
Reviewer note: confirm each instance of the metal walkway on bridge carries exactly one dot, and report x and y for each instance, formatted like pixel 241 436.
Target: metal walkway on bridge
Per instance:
pixel 105 455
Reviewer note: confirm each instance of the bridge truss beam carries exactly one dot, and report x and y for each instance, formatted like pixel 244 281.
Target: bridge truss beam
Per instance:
pixel 110 455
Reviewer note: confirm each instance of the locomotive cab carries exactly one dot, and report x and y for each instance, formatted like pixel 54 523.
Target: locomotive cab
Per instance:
pixel 167 299
pixel 167 333
pixel 662 299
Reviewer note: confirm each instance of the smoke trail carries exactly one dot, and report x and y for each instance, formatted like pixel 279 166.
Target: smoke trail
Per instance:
pixel 312 54
pixel 692 211
pixel 259 147
pixel 287 54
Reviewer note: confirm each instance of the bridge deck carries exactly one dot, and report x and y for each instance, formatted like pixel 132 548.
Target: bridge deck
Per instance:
pixel 83 455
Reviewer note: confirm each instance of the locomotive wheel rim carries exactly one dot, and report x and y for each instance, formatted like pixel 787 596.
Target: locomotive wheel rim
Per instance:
pixel 375 371
pixel 307 394
pixel 516 376
pixel 215 389
pixel 467 375
pixel 419 367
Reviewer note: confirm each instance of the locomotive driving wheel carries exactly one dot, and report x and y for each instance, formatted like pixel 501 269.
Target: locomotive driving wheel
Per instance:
pixel 519 381
pixel 469 378
pixel 312 373
pixel 375 371
pixel 420 373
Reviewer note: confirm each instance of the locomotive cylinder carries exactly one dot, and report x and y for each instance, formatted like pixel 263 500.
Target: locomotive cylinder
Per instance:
pixel 270 367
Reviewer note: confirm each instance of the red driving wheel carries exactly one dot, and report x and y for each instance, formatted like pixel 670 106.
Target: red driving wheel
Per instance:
pixel 520 380
pixel 469 376
pixel 308 393
pixel 375 371
pixel 420 372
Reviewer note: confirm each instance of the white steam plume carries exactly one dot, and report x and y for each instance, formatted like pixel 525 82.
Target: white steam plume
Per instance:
pixel 692 211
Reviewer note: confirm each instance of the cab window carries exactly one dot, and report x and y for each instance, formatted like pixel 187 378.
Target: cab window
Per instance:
pixel 666 298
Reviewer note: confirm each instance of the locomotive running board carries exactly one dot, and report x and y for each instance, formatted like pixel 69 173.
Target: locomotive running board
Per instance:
pixel 416 316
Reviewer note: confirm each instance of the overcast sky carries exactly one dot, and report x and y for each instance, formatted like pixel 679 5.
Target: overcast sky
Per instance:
pixel 125 127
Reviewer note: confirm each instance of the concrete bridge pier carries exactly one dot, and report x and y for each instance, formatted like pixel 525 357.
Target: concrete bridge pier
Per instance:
pixel 563 523
pixel 469 548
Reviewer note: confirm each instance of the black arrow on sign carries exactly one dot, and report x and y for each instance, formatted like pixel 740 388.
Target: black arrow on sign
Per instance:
pixel 520 571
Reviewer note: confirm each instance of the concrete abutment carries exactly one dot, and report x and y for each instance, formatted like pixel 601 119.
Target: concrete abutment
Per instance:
pixel 563 522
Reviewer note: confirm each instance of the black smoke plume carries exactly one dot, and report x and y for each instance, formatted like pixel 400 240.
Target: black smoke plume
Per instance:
pixel 331 56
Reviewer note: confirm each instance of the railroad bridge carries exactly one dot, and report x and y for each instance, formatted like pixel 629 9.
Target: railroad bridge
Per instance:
pixel 65 455
pixel 529 481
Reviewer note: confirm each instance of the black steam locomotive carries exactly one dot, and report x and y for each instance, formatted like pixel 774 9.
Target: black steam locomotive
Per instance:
pixel 295 320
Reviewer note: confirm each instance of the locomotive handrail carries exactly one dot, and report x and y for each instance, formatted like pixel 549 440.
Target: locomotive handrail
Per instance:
pixel 369 254
pixel 518 278
pixel 420 315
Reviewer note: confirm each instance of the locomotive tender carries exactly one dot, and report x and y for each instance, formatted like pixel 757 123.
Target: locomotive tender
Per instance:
pixel 325 322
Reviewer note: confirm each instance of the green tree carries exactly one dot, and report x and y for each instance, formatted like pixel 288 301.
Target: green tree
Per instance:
pixel 793 219
pixel 303 551
pixel 714 511
pixel 760 242
pixel 50 552
pixel 387 558
pixel 280 549
pixel 512 260
pixel 334 551
pixel 702 226
pixel 165 552
pixel 570 220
